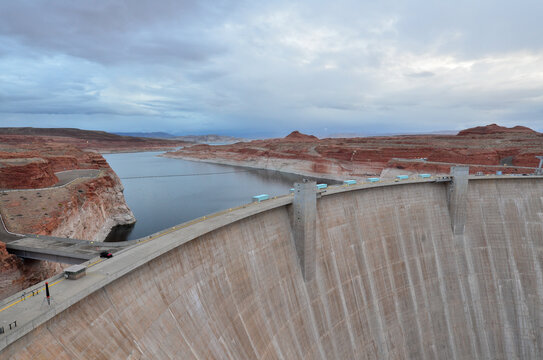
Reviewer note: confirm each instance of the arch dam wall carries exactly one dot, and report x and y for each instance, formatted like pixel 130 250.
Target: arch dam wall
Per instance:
pixel 391 281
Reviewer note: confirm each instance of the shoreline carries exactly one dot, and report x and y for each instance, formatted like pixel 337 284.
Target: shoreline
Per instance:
pixel 322 176
pixel 132 151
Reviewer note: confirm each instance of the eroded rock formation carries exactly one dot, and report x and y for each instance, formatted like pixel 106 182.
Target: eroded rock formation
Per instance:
pixel 36 199
pixel 483 147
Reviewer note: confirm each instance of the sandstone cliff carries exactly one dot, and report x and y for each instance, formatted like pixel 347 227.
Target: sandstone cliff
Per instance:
pixel 84 209
pixel 93 209
pixel 25 172
pixel 40 193
pixel 487 149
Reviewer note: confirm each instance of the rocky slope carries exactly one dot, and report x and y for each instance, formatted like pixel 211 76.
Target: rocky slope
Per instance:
pixel 38 197
pixel 486 148
pixel 87 208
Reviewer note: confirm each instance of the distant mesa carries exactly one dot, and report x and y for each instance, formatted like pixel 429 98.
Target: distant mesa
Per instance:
pixel 62 132
pixel 496 129
pixel 296 135
pixel 210 139
pixel 155 135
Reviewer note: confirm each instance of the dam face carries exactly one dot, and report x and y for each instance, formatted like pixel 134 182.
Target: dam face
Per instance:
pixel 391 281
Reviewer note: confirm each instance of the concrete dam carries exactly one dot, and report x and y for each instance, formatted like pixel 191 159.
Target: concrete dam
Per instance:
pixel 409 270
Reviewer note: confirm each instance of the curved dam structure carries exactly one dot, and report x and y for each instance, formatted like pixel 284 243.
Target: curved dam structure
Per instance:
pixel 401 271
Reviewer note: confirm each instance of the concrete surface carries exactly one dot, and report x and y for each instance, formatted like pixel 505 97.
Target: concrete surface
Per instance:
pixel 75 251
pixel 392 281
pixel 458 192
pixel 304 219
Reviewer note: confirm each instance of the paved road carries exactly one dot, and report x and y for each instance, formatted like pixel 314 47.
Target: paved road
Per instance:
pixel 65 177
pixel 5 236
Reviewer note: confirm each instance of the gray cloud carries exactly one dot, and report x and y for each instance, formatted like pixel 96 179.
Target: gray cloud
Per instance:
pixel 113 31
pixel 266 68
pixel 420 74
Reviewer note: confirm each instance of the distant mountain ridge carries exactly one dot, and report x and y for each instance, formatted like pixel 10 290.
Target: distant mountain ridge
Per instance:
pixel 96 135
pixel 87 139
pixel 210 139
pixel 198 139
pixel 155 135
pixel 63 132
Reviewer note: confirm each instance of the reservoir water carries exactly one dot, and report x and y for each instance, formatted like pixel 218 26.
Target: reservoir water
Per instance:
pixel 163 192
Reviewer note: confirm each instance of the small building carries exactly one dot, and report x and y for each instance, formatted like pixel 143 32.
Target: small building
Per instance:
pixel 499 172
pixel 349 182
pixel 75 272
pixel 261 197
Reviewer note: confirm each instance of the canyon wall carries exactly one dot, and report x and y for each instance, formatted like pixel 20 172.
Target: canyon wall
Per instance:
pixel 25 173
pixel 340 158
pixel 85 209
pixel 93 215
pixel 392 282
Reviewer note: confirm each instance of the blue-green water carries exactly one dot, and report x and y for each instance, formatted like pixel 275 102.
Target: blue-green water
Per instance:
pixel 163 192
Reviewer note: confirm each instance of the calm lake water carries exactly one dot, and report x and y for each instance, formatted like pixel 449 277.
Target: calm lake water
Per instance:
pixel 163 192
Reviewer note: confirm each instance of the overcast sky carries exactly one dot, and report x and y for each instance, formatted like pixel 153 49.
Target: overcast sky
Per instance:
pixel 267 68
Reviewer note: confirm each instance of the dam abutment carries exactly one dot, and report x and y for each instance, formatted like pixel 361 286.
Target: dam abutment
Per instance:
pixel 457 197
pixel 304 220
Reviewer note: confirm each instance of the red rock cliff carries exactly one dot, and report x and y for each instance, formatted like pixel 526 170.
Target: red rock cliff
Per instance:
pixel 85 208
pixel 338 158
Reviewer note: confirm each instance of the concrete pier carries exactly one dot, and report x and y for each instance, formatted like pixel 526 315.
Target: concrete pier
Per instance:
pixel 457 196
pixel 304 222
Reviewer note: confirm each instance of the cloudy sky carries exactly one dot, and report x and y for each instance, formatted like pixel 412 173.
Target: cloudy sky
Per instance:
pixel 264 68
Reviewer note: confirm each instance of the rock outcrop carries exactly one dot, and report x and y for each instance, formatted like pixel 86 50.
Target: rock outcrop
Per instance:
pixel 25 173
pixel 91 212
pixel 85 209
pixel 495 129
pixel 34 201
pixel 296 135
pixel 486 149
